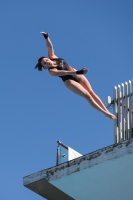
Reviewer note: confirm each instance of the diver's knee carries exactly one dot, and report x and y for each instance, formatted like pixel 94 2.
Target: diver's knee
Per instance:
pixel 88 97
pixel 92 93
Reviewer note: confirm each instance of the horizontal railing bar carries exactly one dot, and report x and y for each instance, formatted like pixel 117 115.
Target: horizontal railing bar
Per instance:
pixel 128 109
pixel 112 102
pixel 60 143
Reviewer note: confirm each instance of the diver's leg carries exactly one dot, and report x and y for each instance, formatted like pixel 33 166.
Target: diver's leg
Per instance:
pixel 85 83
pixel 77 88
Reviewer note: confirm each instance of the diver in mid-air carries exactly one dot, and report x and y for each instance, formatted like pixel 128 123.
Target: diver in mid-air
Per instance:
pixel 73 79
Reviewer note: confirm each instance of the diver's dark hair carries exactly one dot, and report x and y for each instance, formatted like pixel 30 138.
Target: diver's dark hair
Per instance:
pixel 39 66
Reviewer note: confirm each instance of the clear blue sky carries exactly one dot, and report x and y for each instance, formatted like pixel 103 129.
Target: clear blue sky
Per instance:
pixel 36 109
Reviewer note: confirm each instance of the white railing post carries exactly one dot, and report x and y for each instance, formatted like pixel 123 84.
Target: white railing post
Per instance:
pixel 127 106
pixel 123 110
pixel 132 111
pixel 119 113
pixel 115 113
pixel 130 122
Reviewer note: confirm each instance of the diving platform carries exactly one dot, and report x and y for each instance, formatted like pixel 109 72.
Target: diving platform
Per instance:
pixel 104 174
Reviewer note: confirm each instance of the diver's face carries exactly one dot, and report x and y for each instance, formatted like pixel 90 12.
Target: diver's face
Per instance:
pixel 46 62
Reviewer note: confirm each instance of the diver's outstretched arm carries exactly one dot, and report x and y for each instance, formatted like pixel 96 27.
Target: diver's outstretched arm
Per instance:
pixel 56 72
pixel 49 45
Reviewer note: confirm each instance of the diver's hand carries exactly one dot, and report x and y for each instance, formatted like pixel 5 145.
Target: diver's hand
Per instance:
pixel 45 34
pixel 82 71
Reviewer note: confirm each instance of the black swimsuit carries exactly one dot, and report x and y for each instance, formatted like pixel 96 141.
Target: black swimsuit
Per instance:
pixel 62 65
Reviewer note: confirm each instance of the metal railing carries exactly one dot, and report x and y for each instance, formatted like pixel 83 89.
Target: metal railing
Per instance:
pixel 123 110
pixel 62 152
pixel 65 153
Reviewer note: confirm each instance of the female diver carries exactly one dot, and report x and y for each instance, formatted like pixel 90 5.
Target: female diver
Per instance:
pixel 73 79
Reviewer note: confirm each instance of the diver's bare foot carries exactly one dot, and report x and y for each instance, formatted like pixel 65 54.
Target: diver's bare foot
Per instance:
pixel 111 116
